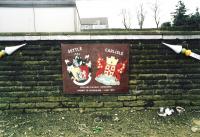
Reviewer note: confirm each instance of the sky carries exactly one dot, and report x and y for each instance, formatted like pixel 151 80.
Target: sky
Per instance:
pixel 112 10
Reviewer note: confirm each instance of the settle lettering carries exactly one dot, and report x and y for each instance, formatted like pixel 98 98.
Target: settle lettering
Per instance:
pixel 74 50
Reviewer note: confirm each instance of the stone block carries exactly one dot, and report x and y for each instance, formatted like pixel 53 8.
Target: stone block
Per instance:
pixel 133 103
pixel 70 104
pixel 90 104
pixel 4 106
pixel 31 99
pixel 108 98
pixel 88 98
pixel 126 98
pixel 113 104
pixel 133 82
pixel 149 97
pixel 8 99
pixel 71 98
pixel 52 99
pixel 21 105
pixel 47 105
pixel 164 103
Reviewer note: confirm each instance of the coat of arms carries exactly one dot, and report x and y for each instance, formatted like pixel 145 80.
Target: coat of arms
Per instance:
pixel 79 70
pixel 109 70
pixel 92 68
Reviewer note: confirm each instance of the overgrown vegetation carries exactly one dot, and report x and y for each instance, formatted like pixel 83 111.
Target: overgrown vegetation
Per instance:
pixel 182 20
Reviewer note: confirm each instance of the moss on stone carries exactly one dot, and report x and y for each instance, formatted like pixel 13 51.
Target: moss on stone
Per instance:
pixel 90 104
pixel 4 106
pixel 126 98
pixel 113 104
pixel 21 105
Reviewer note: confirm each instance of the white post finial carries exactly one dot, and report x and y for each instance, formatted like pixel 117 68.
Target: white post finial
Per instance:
pixel 175 48
pixel 10 50
pixel 179 49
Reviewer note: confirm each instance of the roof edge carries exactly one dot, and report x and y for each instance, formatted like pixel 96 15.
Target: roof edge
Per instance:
pixel 36 5
pixel 30 3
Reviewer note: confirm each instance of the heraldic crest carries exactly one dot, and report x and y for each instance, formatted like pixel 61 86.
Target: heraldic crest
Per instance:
pixel 109 70
pixel 79 70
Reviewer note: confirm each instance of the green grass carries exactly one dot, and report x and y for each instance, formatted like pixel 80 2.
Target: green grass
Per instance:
pixel 98 124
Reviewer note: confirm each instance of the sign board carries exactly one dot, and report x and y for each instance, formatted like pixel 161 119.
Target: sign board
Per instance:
pixel 95 68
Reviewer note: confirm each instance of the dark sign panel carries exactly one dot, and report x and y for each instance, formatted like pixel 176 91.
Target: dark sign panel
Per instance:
pixel 95 68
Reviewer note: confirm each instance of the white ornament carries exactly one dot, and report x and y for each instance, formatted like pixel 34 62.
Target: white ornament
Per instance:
pixel 176 48
pixel 10 50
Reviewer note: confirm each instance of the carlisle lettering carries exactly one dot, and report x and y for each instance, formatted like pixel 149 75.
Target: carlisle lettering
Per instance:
pixel 114 51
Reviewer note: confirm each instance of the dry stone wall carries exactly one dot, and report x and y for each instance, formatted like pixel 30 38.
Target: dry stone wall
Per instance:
pixel 31 79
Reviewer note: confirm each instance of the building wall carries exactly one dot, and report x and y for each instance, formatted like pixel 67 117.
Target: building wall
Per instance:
pixel 31 79
pixel 27 19
pixel 77 20
pixel 85 27
pixel 94 23
pixel 16 20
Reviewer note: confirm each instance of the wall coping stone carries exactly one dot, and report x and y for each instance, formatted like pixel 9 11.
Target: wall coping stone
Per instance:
pixel 97 37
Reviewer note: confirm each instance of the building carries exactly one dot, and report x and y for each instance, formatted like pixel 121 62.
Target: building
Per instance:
pixel 39 16
pixel 94 23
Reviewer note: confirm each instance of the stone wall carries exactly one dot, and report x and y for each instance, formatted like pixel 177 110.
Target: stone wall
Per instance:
pixel 31 79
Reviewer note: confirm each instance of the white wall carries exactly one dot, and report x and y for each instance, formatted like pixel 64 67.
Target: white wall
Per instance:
pixel 16 20
pixel 38 19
